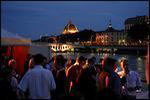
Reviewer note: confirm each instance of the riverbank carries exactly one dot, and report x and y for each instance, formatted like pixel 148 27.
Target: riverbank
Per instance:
pixel 111 51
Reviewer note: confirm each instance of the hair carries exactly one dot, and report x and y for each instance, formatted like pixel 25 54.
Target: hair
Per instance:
pixel 38 58
pixel 127 70
pixel 44 58
pixel 12 61
pixel 60 60
pixel 109 64
pixel 90 61
pixel 110 61
pixel 81 58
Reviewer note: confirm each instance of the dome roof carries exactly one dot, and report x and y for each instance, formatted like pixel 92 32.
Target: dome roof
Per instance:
pixel 70 28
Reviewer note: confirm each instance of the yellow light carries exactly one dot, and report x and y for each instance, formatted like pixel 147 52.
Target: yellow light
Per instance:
pixel 72 31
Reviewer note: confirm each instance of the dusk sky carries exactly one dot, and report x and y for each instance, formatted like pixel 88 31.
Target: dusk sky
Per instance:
pixel 31 19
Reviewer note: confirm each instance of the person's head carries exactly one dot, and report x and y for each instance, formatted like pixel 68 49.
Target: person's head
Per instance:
pixel 12 64
pixel 31 63
pixel 91 61
pixel 60 61
pixel 109 64
pixel 38 59
pixel 82 61
pixel 94 59
pixel 44 61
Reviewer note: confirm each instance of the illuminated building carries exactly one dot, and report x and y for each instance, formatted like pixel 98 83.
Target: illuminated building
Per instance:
pixel 70 28
pixel 111 36
pixel 135 20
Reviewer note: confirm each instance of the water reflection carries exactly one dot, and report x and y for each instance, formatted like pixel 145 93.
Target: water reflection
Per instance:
pixel 135 62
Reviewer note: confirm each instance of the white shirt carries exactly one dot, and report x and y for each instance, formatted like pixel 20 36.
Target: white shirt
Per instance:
pixel 39 81
pixel 133 79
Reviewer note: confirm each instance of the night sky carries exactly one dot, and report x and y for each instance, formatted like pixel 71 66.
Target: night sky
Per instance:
pixel 33 19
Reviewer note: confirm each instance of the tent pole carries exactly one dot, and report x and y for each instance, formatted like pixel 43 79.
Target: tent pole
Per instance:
pixel 11 52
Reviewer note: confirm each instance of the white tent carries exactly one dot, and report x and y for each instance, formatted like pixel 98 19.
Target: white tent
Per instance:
pixel 8 38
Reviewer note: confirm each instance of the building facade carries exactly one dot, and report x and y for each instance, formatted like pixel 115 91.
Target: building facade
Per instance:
pixel 135 20
pixel 111 36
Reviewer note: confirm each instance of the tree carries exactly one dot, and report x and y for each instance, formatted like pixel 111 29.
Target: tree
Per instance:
pixel 86 35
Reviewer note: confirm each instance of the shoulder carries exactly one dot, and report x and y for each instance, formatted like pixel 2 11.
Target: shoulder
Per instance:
pixel 48 72
pixel 72 67
pixel 28 72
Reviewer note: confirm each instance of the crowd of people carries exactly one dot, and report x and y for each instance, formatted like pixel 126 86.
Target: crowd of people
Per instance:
pixel 60 79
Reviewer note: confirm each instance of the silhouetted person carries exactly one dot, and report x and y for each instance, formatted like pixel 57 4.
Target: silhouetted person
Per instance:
pixel 68 65
pixel 60 77
pixel 113 86
pixel 74 74
pixel 133 81
pixel 12 65
pixel 87 82
pixel 8 84
pixel 38 81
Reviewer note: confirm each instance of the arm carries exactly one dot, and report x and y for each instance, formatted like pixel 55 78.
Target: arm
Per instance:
pixel 23 86
pixel 20 94
pixel 52 82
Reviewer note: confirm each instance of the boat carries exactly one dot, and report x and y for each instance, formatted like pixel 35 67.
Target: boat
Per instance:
pixel 60 47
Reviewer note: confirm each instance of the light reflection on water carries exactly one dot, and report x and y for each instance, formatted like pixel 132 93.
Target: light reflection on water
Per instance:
pixel 135 62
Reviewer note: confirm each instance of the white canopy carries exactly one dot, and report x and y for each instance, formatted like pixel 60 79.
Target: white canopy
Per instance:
pixel 8 38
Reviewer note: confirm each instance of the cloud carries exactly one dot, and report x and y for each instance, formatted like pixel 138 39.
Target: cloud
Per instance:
pixel 7 34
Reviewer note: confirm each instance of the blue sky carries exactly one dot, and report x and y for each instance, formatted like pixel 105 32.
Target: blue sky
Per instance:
pixel 31 19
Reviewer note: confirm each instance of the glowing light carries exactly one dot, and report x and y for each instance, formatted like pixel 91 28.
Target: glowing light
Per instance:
pixel 61 47
pixel 139 59
pixel 123 40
